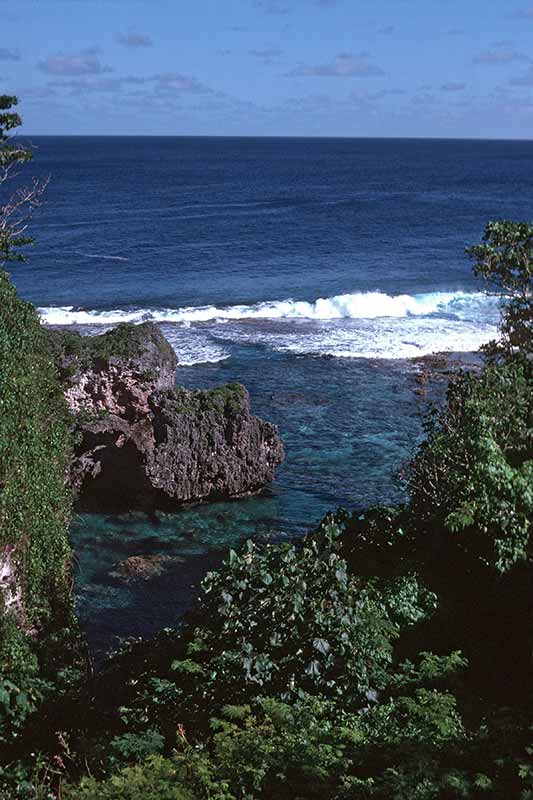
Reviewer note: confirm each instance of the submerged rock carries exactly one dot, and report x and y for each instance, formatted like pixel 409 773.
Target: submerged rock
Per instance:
pixel 435 371
pixel 141 443
pixel 143 567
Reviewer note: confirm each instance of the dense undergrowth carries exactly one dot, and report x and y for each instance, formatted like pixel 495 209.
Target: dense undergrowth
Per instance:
pixel 41 654
pixel 385 657
pixel 39 646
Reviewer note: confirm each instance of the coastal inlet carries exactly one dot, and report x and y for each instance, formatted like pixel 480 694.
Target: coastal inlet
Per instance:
pixel 137 569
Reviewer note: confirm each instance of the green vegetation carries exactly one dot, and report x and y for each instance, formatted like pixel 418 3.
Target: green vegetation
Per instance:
pixel 72 352
pixel 37 625
pixel 39 649
pixel 505 261
pixel 473 477
pixel 388 656
pixel 229 397
pixel 385 656
pixel 34 454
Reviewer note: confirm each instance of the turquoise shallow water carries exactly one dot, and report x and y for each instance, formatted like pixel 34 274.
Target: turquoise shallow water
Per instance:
pixel 348 426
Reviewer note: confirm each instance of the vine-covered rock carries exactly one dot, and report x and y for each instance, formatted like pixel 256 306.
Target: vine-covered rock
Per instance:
pixel 38 631
pixel 34 454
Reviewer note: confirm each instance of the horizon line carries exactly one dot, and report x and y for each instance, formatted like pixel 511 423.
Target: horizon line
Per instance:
pixel 274 136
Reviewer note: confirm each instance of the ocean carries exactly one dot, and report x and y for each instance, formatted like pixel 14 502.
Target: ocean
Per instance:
pixel 311 270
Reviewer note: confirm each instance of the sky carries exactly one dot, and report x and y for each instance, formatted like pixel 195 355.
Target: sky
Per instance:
pixel 419 68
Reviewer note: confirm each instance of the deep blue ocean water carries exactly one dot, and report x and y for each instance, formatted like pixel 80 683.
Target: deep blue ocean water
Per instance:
pixel 311 270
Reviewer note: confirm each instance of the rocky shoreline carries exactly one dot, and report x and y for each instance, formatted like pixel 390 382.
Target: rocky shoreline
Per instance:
pixel 433 372
pixel 143 443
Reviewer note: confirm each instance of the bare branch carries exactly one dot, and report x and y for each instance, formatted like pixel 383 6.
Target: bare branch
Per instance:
pixel 16 211
pixel 21 204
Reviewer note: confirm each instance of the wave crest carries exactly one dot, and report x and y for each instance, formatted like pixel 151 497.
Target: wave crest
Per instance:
pixel 359 305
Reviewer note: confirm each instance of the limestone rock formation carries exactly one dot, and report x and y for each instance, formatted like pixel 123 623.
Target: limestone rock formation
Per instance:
pixel 143 443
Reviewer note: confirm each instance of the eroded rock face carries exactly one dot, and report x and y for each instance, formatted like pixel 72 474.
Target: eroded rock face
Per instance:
pixel 116 372
pixel 10 589
pixel 208 445
pixel 143 443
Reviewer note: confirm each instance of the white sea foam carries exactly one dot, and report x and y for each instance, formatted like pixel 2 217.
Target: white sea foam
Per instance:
pixel 359 305
pixel 395 338
pixel 193 346
pixel 102 256
pixel 358 325
pixel 402 341
pixel 67 315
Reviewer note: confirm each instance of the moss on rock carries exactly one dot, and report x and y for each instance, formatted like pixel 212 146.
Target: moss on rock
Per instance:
pixel 231 398
pixel 127 342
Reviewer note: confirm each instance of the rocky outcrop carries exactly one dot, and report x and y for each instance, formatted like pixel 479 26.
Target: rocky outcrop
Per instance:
pixel 141 443
pixel 115 373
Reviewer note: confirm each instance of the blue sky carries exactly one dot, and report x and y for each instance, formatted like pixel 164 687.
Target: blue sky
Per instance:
pixel 271 67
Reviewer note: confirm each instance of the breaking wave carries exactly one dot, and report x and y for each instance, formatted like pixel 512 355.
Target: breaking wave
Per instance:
pixel 359 305
pixel 371 325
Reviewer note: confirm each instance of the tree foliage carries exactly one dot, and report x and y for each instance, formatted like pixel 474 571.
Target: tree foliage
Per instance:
pixel 385 657
pixel 473 476
pixel 37 624
pixel 16 207
pixel 505 261
pixel 291 620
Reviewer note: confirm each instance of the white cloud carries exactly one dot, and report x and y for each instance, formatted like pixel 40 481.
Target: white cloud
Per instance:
pixel 133 39
pixel 344 65
pixel 499 56
pixel 87 62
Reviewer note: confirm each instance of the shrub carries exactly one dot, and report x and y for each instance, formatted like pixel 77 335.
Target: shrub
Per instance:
pixel 504 260
pixel 473 476
pixel 287 620
pixel 155 779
